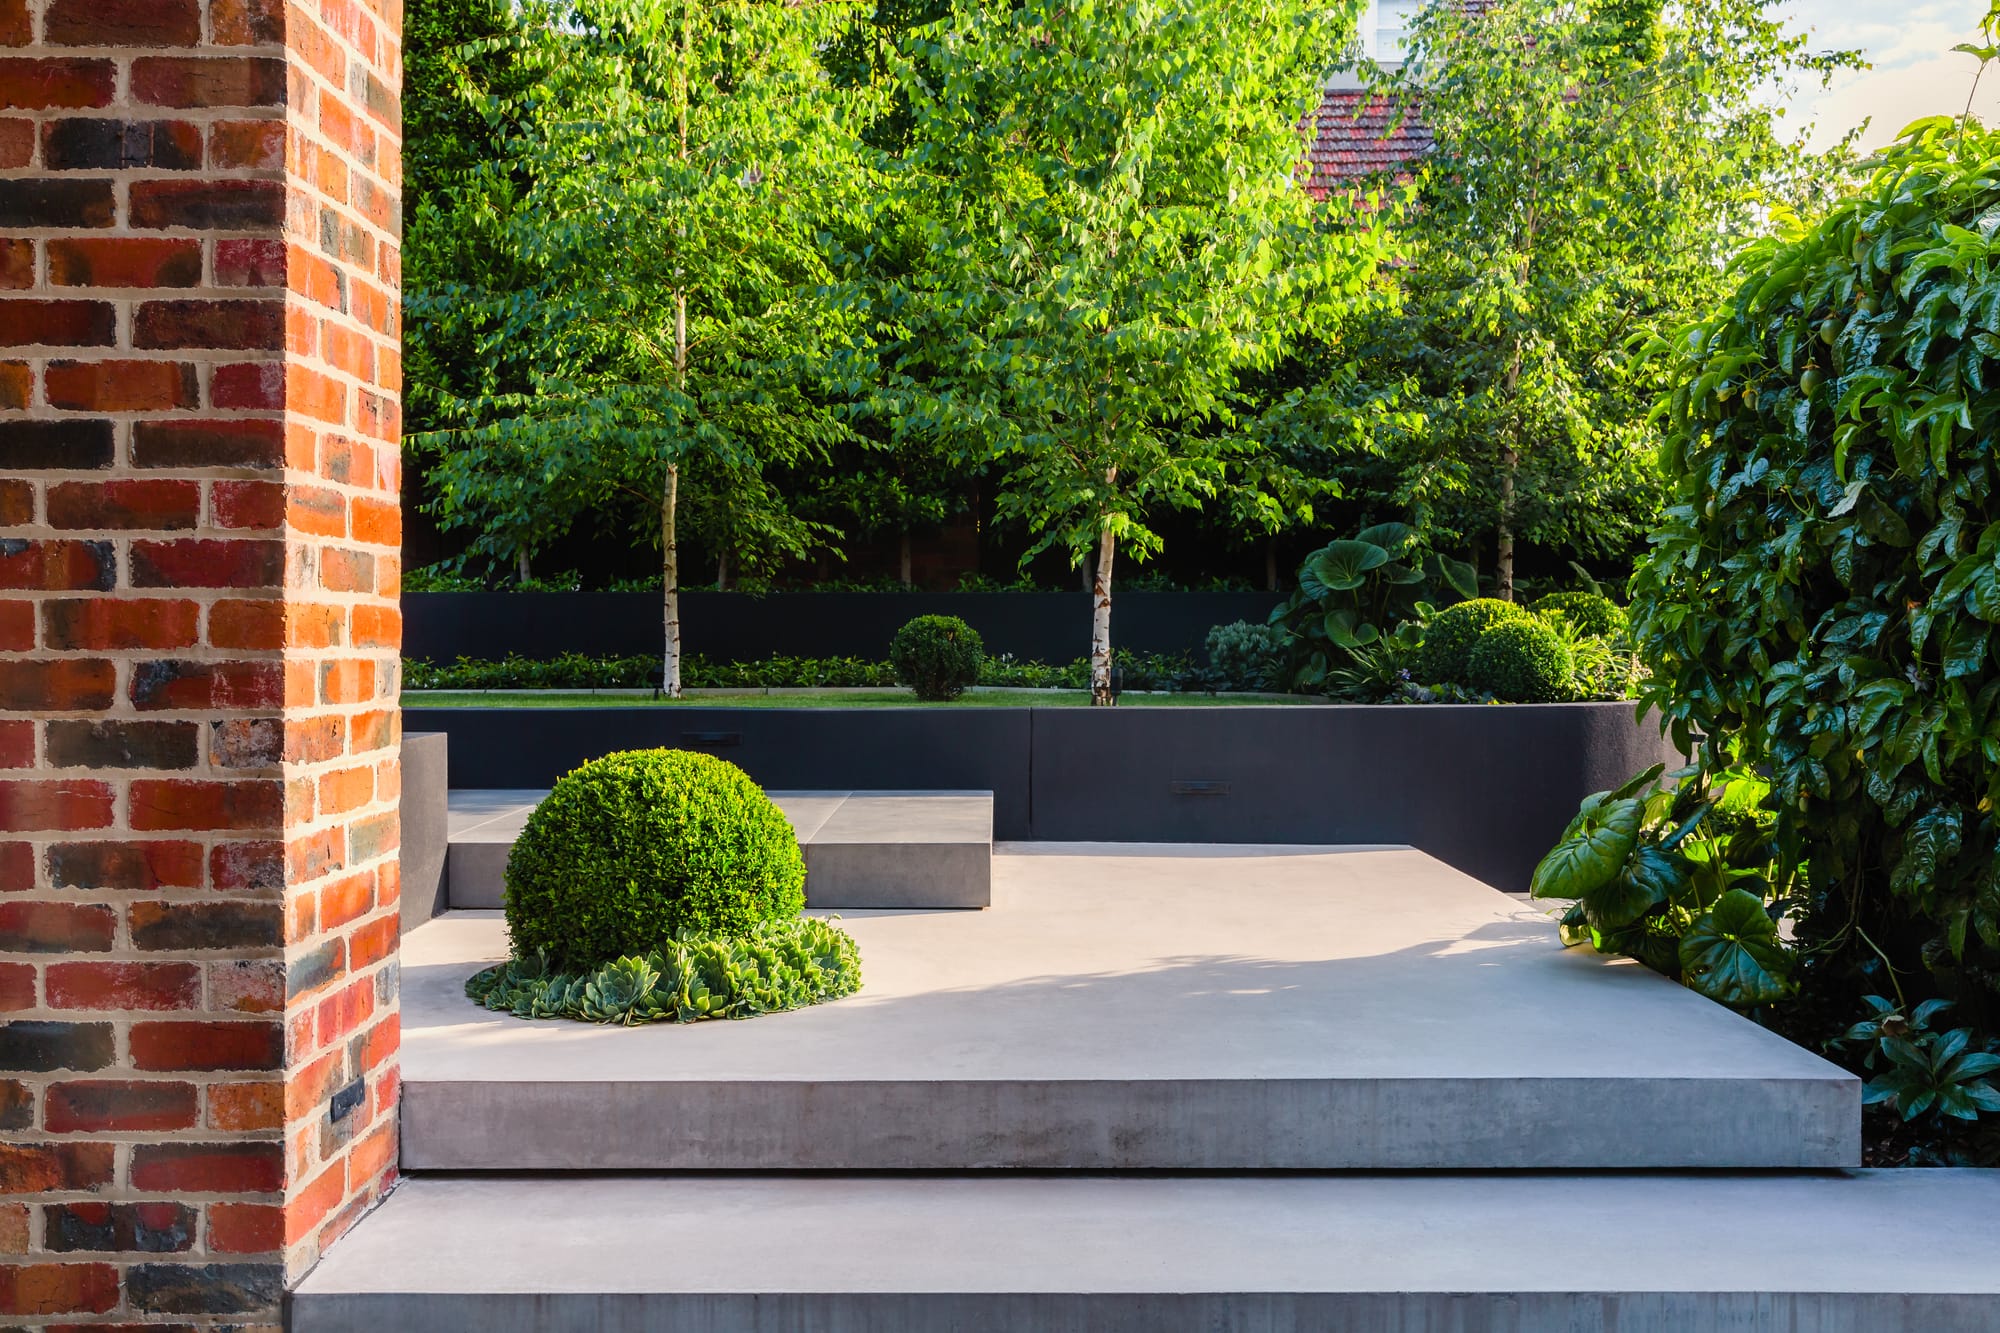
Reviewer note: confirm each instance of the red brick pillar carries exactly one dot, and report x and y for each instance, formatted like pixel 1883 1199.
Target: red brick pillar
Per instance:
pixel 199 530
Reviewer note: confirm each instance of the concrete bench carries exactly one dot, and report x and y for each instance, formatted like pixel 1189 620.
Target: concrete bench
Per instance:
pixel 863 849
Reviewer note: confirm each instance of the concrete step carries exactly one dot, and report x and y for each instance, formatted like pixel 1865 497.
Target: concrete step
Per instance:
pixel 1869 1252
pixel 1144 1007
pixel 863 849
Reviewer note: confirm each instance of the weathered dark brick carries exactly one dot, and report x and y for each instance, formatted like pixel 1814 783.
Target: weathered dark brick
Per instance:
pixel 111 145
pixel 85 623
pixel 26 445
pixel 313 970
pixel 241 443
pixel 150 1228
pixel 208 205
pixel 99 1106
pixel 205 685
pixel 232 325
pixel 123 23
pixel 17 1104
pixel 34 1045
pixel 168 864
pixel 205 1288
pixel 247 742
pixel 123 744
pixel 209 81
pixel 200 1046
pixel 37 202
pixel 227 924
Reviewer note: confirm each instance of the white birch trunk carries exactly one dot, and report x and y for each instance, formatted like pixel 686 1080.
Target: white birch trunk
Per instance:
pixel 1100 623
pixel 670 662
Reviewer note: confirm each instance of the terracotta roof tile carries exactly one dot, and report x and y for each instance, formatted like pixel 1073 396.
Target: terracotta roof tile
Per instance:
pixel 1357 135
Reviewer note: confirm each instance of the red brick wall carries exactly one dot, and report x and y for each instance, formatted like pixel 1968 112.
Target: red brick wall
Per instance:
pixel 199 529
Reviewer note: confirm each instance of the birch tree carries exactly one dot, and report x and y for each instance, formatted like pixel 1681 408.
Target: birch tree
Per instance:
pixel 1106 207
pixel 682 155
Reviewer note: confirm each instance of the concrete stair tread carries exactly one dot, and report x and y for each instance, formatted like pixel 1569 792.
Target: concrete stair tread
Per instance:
pixel 878 849
pixel 1863 1252
pixel 1145 1007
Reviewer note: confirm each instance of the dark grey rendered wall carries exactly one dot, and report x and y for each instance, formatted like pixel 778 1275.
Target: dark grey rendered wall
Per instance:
pixel 1486 789
pixel 736 627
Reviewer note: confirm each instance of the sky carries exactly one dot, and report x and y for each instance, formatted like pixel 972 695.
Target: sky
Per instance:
pixel 1915 72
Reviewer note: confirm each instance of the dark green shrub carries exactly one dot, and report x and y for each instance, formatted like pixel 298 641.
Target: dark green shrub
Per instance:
pixel 1521 661
pixel 1449 637
pixel 1244 656
pixel 937 656
pixel 631 849
pixel 773 966
pixel 1590 612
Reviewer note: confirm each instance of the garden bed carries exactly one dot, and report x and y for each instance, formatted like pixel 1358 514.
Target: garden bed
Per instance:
pixel 1487 789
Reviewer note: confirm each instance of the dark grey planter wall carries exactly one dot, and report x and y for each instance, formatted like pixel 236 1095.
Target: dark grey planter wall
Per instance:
pixel 425 830
pixel 1486 789
pixel 736 627
pixel 784 749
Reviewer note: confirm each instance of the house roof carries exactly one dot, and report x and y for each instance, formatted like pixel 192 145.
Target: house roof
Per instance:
pixel 1357 136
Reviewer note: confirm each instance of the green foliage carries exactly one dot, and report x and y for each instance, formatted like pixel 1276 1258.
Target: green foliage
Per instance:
pixel 670 171
pixel 1521 661
pixel 1449 637
pixel 1822 596
pixel 1681 879
pixel 629 850
pixel 578 671
pixel 1920 1071
pixel 1594 164
pixel 1105 226
pixel 1591 613
pixel 772 966
pixel 937 656
pixel 1355 591
pixel 1244 656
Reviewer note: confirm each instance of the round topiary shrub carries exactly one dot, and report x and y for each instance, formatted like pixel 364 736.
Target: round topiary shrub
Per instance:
pixel 1449 637
pixel 937 656
pixel 1590 612
pixel 1521 661
pixel 634 848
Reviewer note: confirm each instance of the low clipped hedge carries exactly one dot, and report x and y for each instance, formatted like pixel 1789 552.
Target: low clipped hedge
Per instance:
pixel 1591 613
pixel 1521 661
pixel 634 849
pixel 937 656
pixel 773 966
pixel 1452 632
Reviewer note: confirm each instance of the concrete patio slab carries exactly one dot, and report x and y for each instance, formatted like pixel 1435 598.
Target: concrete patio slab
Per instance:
pixel 869 849
pixel 1144 1007
pixel 1836 1253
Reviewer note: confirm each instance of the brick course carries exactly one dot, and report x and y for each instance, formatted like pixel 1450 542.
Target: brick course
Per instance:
pixel 199 531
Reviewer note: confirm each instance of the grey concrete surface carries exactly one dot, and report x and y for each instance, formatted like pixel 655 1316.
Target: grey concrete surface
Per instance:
pixel 893 849
pixel 426 825
pixel 1868 1252
pixel 1131 1007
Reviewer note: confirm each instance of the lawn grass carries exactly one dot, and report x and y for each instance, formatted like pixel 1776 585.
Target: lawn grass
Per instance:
pixel 885 698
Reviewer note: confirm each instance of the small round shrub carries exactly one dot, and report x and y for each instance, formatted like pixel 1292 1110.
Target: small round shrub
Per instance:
pixel 1588 611
pixel 937 656
pixel 1246 656
pixel 631 849
pixel 1521 661
pixel 1449 637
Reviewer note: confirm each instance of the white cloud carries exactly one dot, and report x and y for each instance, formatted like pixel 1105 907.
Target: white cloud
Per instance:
pixel 1915 72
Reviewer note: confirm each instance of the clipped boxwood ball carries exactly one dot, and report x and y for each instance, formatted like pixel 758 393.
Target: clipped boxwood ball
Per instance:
pixel 1589 612
pixel 1449 637
pixel 937 656
pixel 630 849
pixel 1521 661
